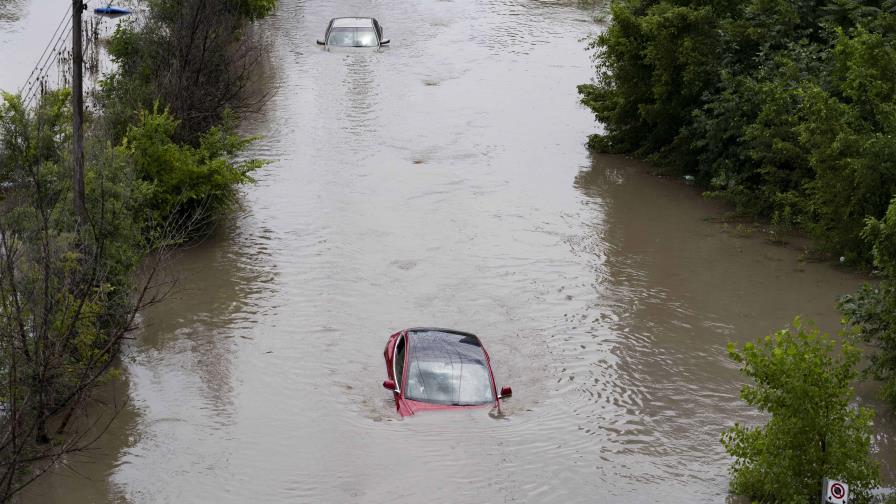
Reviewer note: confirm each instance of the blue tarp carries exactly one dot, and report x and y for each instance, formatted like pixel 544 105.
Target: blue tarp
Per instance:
pixel 111 11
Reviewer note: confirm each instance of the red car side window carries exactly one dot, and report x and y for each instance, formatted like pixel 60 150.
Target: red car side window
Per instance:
pixel 399 362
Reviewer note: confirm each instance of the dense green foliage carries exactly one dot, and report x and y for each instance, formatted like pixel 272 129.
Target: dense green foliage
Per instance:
pixel 187 184
pixel 66 291
pixel 35 155
pixel 787 109
pixel 188 62
pixel 872 310
pixel 802 380
pixel 37 204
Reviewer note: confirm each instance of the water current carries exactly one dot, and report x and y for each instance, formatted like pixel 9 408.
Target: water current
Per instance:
pixel 442 181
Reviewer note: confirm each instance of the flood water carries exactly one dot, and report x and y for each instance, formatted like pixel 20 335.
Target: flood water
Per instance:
pixel 444 182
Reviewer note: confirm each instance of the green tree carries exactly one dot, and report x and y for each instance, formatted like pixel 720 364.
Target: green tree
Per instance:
pixel 803 382
pixel 68 293
pixel 654 63
pixel 785 108
pixel 847 132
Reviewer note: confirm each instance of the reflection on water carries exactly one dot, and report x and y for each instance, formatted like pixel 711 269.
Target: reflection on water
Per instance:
pixel 358 92
pixel 443 182
pixel 669 306
pixel 187 350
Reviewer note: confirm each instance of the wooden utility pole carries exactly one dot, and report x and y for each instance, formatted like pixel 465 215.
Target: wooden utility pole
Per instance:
pixel 78 7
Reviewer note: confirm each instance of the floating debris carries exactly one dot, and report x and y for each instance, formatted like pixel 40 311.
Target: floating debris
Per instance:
pixel 111 11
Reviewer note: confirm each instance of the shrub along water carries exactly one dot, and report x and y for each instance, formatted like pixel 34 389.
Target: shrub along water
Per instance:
pixel 162 164
pixel 802 380
pixel 872 310
pixel 187 185
pixel 787 109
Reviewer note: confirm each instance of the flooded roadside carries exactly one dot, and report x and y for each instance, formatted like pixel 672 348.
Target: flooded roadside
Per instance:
pixel 35 44
pixel 443 182
pixel 23 35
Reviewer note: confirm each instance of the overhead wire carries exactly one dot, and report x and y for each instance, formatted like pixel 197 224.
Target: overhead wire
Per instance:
pixel 47 65
pixel 51 52
pixel 65 18
pixel 54 42
pixel 34 85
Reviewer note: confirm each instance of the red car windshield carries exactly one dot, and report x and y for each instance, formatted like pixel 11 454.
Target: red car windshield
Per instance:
pixel 447 368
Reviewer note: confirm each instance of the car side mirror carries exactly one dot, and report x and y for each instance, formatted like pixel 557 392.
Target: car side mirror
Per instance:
pixel 384 42
pixel 389 385
pixel 321 42
pixel 505 392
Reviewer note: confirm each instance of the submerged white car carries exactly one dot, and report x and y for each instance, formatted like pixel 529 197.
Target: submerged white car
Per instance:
pixel 353 32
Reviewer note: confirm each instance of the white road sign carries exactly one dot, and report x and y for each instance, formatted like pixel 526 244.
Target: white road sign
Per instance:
pixel 835 492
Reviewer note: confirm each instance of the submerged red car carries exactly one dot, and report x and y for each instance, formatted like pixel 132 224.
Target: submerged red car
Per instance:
pixel 434 369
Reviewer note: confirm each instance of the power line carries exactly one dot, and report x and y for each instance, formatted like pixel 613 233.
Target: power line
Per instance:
pixel 51 53
pixel 33 85
pixel 48 58
pixel 42 72
pixel 36 83
pixel 65 19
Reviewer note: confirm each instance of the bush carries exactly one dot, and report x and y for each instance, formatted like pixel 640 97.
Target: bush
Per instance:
pixel 872 310
pixel 181 76
pixel 787 109
pixel 654 63
pixel 802 381
pixel 848 134
pixel 188 186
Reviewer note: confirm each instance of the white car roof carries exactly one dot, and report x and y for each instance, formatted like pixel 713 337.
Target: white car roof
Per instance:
pixel 352 22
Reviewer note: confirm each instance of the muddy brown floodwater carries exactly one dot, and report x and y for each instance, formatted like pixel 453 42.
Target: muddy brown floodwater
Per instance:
pixel 444 182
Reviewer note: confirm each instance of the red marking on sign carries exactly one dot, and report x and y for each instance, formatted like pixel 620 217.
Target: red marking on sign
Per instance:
pixel 837 490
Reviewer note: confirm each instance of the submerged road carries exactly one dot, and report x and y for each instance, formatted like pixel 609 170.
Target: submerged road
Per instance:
pixel 444 182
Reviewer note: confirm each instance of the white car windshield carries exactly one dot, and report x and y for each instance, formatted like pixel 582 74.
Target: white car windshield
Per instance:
pixel 352 37
pixel 447 368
